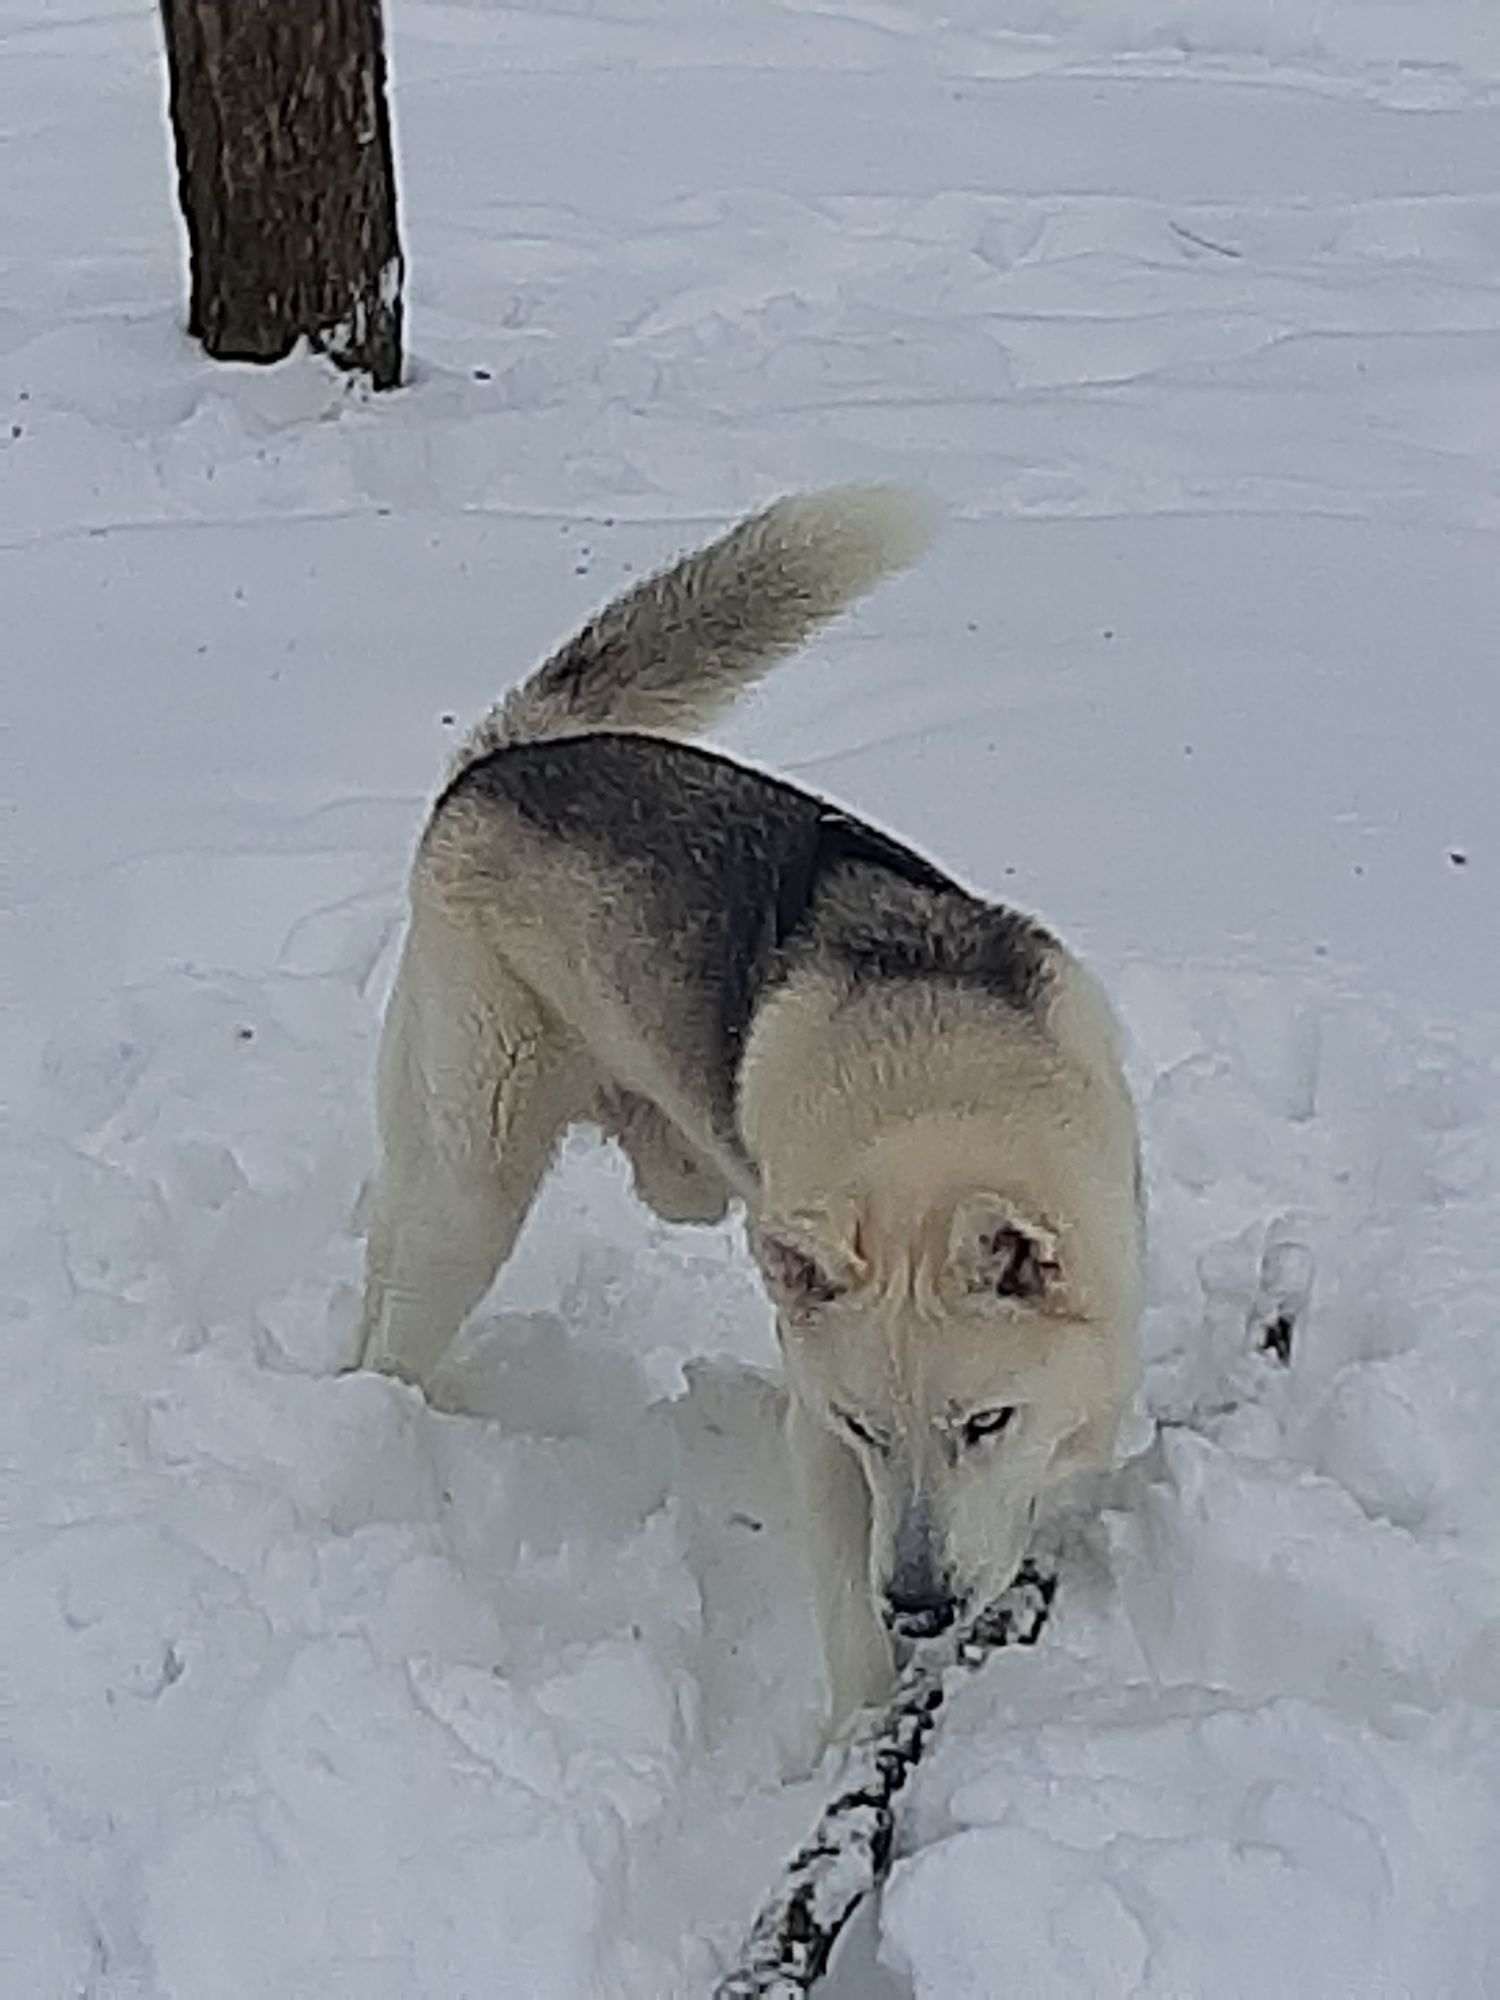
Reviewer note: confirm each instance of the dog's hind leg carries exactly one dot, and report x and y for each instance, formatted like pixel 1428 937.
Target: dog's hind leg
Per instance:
pixel 475 1086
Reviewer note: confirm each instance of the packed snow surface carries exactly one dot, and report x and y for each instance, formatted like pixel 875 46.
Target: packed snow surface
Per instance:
pixel 1188 315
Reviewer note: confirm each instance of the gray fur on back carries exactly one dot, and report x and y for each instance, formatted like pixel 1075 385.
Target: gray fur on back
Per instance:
pixel 726 882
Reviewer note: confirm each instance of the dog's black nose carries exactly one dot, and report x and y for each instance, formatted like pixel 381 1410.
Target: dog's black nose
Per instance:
pixel 919 1615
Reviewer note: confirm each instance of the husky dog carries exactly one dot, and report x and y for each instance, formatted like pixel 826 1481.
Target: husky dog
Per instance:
pixel 915 1093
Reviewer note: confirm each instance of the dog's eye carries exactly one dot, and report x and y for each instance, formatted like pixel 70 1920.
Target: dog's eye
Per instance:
pixel 988 1424
pixel 865 1433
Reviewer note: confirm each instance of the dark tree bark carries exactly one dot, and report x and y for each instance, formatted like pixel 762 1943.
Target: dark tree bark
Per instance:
pixel 286 179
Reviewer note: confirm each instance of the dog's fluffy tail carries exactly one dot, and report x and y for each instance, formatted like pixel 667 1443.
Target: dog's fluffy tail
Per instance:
pixel 677 650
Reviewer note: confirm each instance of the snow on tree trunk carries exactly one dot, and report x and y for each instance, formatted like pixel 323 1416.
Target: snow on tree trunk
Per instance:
pixel 286 179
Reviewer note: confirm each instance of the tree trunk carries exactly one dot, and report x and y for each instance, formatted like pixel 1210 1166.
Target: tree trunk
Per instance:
pixel 286 179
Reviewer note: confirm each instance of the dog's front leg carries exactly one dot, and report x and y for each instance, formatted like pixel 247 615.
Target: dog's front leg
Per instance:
pixel 835 1505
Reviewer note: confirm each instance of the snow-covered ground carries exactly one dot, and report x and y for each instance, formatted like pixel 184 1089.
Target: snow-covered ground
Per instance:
pixel 1189 315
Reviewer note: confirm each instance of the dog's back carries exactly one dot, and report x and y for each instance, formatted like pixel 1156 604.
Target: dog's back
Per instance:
pixel 655 894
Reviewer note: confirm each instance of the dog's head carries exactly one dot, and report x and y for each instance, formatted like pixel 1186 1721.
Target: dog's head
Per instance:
pixel 969 1332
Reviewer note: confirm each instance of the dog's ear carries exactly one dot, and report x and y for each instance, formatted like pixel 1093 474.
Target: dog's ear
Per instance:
pixel 998 1252
pixel 802 1270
